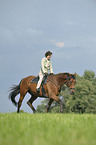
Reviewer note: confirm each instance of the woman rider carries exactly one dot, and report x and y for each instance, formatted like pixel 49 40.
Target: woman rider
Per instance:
pixel 46 66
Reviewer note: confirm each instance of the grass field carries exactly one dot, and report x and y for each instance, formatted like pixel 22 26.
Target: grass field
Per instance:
pixel 47 129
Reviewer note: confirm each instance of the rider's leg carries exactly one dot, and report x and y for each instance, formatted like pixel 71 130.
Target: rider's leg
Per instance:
pixel 39 82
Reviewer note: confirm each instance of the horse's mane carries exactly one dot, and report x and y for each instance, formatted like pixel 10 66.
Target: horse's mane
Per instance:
pixel 68 74
pixel 63 73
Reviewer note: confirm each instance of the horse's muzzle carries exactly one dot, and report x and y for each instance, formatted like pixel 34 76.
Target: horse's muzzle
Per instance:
pixel 72 91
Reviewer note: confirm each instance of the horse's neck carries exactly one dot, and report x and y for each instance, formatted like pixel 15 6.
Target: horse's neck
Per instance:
pixel 61 79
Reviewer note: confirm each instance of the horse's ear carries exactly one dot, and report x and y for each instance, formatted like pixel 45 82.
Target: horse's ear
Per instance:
pixel 69 75
pixel 74 74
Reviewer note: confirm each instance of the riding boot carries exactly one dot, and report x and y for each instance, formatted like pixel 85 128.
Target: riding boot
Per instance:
pixel 38 90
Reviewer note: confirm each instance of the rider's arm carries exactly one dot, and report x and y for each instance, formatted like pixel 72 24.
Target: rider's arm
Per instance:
pixel 51 69
pixel 42 65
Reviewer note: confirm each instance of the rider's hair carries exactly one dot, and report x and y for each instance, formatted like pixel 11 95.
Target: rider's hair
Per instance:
pixel 48 53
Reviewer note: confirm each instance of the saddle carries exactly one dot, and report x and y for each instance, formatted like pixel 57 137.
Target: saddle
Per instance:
pixel 44 81
pixel 36 79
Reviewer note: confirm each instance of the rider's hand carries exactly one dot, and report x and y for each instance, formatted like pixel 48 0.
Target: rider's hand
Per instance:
pixel 45 74
pixel 51 73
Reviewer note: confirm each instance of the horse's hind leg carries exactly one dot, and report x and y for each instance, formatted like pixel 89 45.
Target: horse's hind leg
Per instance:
pixel 30 101
pixel 49 104
pixel 20 102
pixel 22 95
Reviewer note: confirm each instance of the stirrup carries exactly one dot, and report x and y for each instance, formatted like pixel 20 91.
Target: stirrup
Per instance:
pixel 45 95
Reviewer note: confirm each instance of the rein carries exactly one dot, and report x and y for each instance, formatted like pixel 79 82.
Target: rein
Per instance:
pixel 57 84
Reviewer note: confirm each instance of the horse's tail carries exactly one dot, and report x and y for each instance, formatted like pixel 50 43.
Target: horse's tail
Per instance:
pixel 15 90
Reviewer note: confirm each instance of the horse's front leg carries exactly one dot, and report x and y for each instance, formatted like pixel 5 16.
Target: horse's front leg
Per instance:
pixel 59 101
pixel 49 104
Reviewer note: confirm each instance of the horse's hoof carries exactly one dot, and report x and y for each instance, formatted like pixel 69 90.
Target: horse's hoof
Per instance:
pixel 61 111
pixel 17 111
pixel 34 111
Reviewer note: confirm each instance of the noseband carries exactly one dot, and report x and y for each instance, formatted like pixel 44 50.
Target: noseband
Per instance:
pixel 72 88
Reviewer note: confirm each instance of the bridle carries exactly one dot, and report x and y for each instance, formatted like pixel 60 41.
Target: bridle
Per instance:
pixel 68 80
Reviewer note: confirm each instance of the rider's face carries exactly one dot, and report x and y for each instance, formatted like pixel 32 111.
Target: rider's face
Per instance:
pixel 49 56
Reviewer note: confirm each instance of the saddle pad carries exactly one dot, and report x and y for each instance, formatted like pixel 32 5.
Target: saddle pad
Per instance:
pixel 35 80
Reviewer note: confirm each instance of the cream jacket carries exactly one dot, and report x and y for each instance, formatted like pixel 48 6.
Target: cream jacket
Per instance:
pixel 46 66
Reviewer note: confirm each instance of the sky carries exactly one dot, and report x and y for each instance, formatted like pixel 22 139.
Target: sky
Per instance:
pixel 29 28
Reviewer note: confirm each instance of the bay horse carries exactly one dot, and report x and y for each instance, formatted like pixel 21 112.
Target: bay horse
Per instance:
pixel 52 89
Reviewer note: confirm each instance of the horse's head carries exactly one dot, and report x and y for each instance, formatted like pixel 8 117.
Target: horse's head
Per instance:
pixel 71 81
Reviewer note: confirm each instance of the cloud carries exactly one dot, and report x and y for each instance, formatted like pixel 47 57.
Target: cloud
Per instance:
pixel 58 44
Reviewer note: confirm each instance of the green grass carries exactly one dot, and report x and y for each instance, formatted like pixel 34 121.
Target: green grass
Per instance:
pixel 47 129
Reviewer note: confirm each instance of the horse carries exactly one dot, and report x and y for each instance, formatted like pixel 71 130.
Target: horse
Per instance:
pixel 52 89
